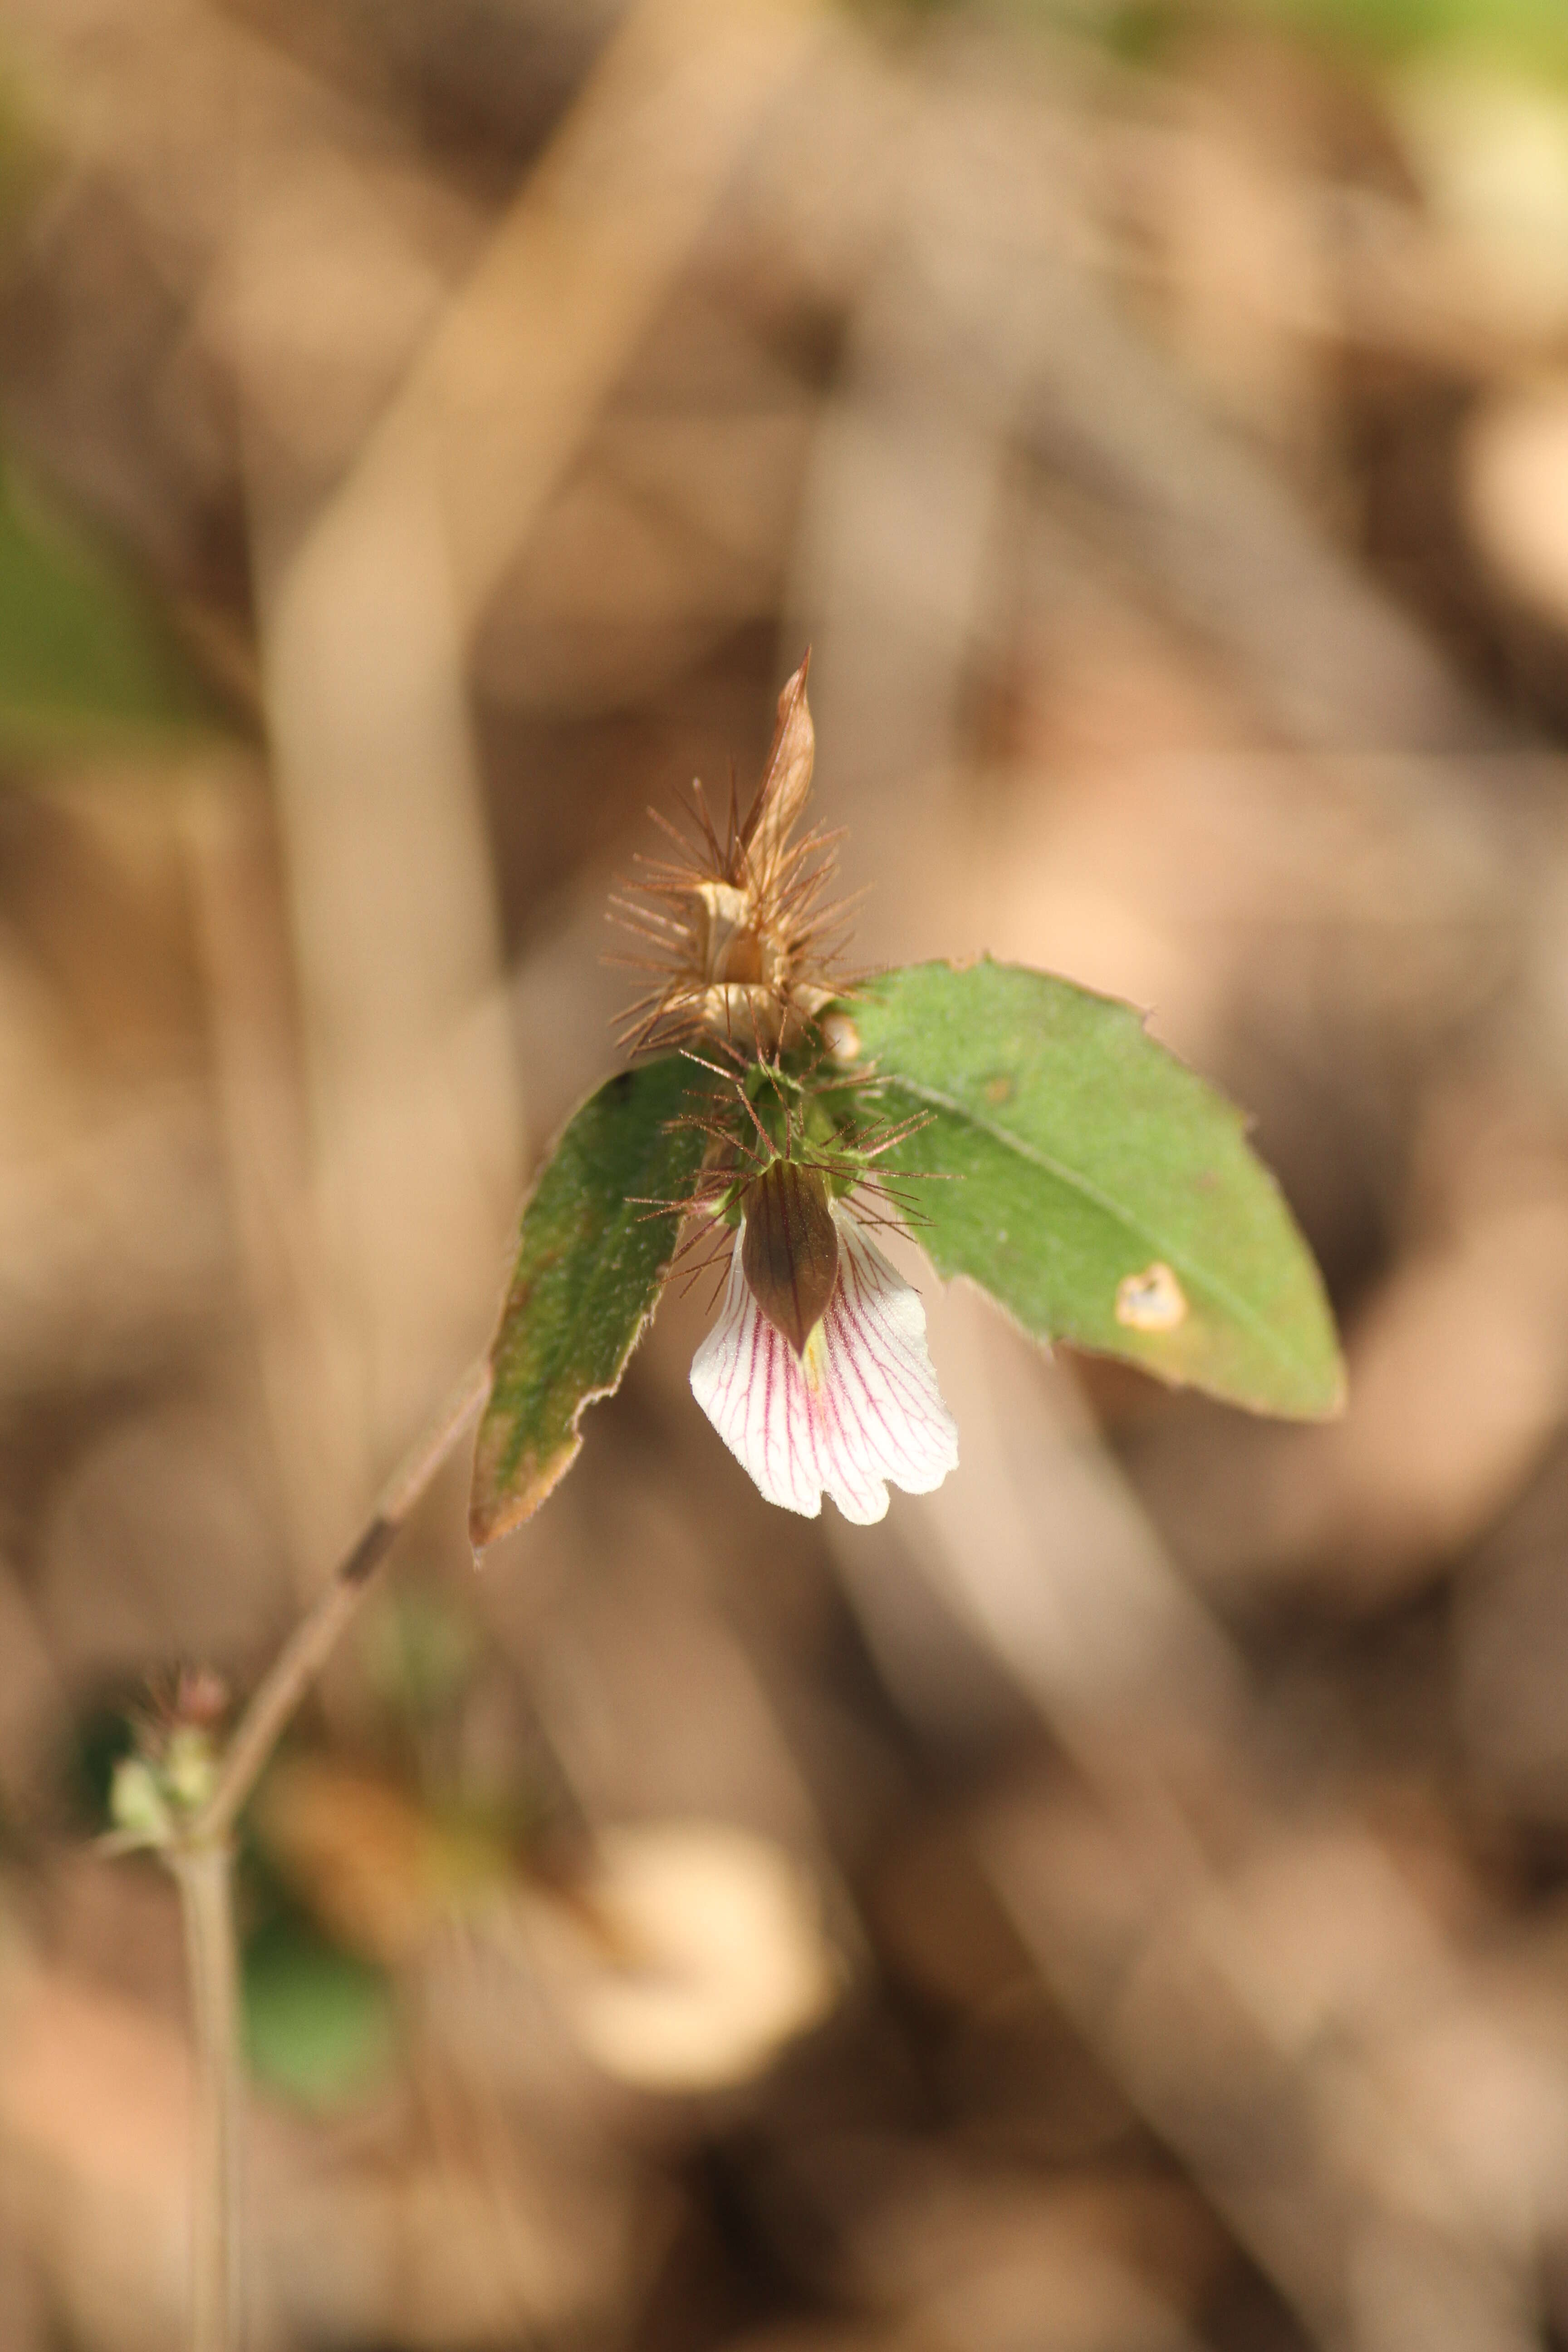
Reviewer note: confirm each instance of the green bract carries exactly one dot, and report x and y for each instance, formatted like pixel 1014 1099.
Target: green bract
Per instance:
pixel 592 1260
pixel 1104 1196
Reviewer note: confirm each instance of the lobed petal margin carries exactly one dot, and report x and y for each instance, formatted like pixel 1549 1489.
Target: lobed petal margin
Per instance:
pixel 860 1409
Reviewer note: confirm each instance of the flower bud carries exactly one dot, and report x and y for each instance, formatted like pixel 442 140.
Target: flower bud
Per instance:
pixel 190 1767
pixel 136 1805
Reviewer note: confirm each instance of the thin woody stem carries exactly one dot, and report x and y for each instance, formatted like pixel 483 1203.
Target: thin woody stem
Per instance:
pixel 201 1858
pixel 313 1640
pixel 203 1875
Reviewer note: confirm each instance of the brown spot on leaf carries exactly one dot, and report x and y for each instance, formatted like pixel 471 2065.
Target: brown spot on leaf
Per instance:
pixel 1151 1300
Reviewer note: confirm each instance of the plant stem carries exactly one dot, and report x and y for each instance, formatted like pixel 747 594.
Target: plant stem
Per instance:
pixel 204 1876
pixel 313 1640
pixel 202 1861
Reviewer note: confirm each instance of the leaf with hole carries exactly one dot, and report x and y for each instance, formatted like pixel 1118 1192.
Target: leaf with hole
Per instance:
pixel 1093 1185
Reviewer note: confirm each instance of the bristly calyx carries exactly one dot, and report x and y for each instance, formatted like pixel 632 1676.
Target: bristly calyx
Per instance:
pixel 741 951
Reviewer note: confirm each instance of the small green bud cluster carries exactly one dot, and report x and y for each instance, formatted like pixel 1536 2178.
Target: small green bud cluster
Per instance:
pixel 159 1788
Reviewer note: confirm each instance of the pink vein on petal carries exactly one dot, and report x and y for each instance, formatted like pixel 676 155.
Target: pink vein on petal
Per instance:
pixel 861 1409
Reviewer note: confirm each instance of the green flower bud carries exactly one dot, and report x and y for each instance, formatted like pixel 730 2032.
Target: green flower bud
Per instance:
pixel 136 1802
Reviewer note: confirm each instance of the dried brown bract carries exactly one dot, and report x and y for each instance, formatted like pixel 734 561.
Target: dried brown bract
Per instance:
pixel 741 943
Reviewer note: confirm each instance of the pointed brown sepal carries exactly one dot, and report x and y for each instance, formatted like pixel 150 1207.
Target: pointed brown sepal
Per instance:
pixel 790 1255
pixel 786 778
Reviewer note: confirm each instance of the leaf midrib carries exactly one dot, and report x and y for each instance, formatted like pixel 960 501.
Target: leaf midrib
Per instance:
pixel 1008 1141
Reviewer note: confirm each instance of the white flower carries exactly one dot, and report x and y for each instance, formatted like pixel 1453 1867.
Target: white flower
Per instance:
pixel 857 1405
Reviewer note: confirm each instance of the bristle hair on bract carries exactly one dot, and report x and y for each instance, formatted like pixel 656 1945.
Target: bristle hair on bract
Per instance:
pixel 741 949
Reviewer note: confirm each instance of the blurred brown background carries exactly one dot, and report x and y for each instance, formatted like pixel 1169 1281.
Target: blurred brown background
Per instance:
pixel 1120 1904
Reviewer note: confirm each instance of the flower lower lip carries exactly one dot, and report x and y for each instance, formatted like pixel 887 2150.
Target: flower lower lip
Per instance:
pixel 857 1410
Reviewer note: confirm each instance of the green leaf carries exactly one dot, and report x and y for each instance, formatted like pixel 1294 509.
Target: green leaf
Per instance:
pixel 320 2024
pixel 1104 1196
pixel 592 1260
pixel 84 656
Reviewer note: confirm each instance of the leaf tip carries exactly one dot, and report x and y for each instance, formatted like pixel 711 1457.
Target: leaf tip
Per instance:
pixel 1317 1392
pixel 1336 1393
pixel 501 1501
